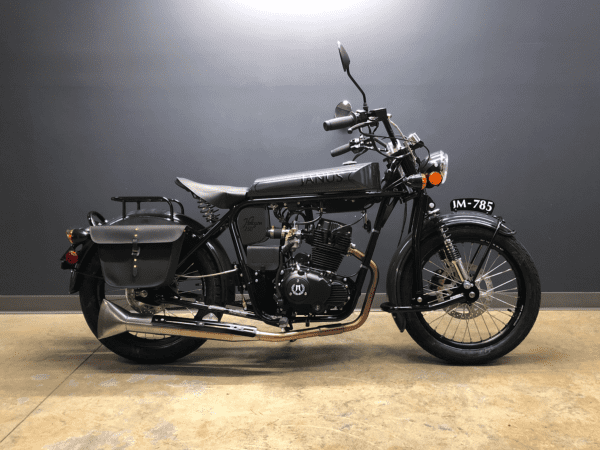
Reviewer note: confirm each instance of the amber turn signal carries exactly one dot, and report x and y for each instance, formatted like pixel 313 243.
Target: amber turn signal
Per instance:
pixel 70 236
pixel 435 178
pixel 417 181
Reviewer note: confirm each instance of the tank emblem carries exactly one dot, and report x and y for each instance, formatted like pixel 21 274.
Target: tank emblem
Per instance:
pixel 322 178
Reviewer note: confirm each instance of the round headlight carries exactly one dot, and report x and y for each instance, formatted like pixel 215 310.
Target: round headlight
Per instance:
pixel 438 162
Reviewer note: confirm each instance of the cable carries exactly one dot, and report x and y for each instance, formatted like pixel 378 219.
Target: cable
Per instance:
pixel 350 225
pixel 428 157
pixel 309 222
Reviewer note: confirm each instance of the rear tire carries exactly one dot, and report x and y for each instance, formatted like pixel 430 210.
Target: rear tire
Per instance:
pixel 501 317
pixel 151 349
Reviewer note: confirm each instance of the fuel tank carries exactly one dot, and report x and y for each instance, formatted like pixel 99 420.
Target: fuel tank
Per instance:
pixel 355 177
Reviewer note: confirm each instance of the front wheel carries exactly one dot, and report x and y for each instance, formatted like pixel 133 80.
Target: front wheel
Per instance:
pixel 500 318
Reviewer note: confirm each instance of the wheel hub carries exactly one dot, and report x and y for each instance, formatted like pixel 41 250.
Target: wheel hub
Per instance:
pixel 139 306
pixel 476 299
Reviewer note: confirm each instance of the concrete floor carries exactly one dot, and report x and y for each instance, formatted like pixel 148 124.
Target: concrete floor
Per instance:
pixel 372 388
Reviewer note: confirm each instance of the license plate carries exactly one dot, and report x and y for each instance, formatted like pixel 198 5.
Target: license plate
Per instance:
pixel 472 204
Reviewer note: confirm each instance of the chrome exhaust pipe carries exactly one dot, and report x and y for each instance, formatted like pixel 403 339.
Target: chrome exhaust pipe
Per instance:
pixel 114 320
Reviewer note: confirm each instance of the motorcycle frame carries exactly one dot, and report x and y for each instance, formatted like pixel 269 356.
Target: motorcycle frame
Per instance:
pixel 387 201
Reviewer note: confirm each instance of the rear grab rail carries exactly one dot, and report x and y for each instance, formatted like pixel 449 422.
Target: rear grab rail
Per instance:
pixel 139 200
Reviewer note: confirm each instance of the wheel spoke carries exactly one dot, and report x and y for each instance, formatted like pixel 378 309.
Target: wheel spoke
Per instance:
pixel 485 275
pixel 494 322
pixel 437 274
pixel 451 318
pixel 434 320
pixel 475 321
pixel 500 285
pixel 431 282
pixel 501 301
pixel 510 292
pixel 470 250
pixel 485 323
pixel 496 274
pixel 467 329
pixel 455 331
pixel 491 265
pixel 435 265
pixel 496 319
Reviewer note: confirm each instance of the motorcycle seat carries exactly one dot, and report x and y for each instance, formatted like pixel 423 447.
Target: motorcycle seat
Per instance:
pixel 224 197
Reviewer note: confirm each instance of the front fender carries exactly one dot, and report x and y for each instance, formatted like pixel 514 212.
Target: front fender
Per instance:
pixel 404 251
pixel 154 217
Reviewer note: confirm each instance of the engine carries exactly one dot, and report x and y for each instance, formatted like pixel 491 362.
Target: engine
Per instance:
pixel 310 284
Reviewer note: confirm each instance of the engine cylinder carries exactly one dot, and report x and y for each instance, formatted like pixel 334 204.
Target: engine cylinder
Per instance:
pixel 330 242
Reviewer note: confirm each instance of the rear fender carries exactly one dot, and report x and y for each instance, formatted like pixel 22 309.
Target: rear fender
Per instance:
pixel 403 253
pixel 157 217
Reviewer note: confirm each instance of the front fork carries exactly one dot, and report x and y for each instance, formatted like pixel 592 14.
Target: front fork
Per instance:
pixel 452 254
pixel 423 206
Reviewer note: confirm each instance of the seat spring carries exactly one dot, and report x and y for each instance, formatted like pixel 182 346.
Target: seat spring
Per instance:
pixel 209 212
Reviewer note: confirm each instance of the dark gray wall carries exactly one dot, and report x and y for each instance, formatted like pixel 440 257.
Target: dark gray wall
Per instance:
pixel 100 99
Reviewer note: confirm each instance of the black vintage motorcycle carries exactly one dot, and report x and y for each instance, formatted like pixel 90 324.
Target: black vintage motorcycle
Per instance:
pixel 154 284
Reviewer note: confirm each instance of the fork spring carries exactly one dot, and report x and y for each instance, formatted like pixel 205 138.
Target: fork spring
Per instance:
pixel 451 250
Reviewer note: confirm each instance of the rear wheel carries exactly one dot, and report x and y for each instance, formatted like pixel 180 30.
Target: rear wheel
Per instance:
pixel 152 348
pixel 502 315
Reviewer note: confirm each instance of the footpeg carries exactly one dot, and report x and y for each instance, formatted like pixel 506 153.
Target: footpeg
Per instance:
pixel 284 324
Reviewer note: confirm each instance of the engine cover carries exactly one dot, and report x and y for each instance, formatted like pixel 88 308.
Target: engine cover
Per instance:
pixel 309 290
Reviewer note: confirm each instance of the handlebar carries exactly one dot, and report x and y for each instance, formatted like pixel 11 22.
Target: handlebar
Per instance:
pixel 340 150
pixel 340 122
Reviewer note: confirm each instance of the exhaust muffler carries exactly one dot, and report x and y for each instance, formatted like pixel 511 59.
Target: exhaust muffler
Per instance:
pixel 115 320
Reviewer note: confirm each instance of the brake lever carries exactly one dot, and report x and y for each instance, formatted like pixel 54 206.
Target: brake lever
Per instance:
pixel 360 125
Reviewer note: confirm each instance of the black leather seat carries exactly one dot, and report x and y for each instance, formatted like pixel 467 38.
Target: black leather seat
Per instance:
pixel 224 197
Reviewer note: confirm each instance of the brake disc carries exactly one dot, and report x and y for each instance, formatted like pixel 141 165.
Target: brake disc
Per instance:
pixel 448 278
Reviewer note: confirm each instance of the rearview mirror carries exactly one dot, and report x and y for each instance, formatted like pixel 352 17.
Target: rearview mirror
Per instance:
pixel 343 109
pixel 344 57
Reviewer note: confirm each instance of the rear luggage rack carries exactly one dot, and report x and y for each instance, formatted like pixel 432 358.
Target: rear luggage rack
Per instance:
pixel 139 200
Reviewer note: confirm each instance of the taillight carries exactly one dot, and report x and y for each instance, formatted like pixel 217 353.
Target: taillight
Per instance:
pixel 72 257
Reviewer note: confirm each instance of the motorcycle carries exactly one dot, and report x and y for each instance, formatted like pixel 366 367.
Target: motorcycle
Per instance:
pixel 154 284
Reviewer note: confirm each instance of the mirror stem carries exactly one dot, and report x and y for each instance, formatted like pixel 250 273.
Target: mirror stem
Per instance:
pixel 365 107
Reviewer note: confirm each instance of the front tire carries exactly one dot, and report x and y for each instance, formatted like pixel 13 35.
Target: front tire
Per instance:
pixel 142 347
pixel 502 316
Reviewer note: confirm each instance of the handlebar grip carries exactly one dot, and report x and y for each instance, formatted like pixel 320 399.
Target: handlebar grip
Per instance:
pixel 339 122
pixel 340 150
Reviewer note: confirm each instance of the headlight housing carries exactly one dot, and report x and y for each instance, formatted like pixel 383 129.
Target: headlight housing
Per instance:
pixel 436 169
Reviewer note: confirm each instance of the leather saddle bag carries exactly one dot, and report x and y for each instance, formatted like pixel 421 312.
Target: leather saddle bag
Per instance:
pixel 136 256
